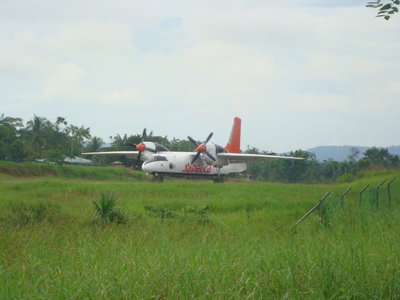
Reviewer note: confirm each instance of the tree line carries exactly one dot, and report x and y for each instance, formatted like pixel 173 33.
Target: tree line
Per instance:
pixel 41 138
pixel 313 171
pixel 55 140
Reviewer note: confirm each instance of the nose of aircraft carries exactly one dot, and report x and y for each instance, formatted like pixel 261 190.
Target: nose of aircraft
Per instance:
pixel 145 168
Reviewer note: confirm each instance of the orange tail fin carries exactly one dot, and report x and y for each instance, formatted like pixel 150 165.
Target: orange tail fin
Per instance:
pixel 233 145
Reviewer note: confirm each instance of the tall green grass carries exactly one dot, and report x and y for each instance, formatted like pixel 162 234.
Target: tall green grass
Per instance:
pixel 244 251
pixel 33 169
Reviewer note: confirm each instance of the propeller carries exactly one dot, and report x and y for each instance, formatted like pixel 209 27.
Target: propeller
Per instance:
pixel 139 147
pixel 202 148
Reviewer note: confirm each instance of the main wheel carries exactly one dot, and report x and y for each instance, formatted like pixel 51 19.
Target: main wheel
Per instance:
pixel 218 180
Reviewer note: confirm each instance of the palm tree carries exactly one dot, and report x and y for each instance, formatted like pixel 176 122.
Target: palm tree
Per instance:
pixel 37 129
pixel 83 133
pixel 77 135
pixel 94 144
pixel 119 141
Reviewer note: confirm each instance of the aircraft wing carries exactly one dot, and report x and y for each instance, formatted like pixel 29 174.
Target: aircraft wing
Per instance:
pixel 129 154
pixel 246 157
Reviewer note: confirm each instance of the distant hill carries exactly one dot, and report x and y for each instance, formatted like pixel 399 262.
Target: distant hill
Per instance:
pixel 341 153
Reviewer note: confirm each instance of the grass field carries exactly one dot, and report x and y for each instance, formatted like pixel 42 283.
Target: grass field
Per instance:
pixel 239 247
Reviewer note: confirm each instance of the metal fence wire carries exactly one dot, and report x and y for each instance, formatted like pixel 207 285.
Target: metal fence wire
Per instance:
pixel 334 206
pixel 331 208
pixel 393 192
pixel 381 196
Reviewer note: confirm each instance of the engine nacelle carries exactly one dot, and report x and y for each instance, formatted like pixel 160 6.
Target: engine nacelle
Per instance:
pixel 213 150
pixel 150 148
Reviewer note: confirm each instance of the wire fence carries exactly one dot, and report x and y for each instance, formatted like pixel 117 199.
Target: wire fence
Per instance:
pixel 371 197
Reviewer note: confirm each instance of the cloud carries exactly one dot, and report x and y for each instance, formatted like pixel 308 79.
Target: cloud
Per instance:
pixel 321 103
pixel 63 81
pixel 126 96
pixel 276 64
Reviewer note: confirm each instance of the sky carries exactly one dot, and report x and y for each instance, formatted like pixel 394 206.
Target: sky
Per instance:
pixel 299 73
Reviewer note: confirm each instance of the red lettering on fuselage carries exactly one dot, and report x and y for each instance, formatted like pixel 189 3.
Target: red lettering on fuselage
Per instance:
pixel 204 169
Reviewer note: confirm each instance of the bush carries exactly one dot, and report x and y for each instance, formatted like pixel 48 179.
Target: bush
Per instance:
pixel 159 212
pixel 106 211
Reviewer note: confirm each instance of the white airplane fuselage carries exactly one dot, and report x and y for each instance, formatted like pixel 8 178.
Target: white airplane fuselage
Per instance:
pixel 180 163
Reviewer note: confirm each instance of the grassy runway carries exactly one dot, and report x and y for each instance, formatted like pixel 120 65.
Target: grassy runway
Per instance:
pixel 240 248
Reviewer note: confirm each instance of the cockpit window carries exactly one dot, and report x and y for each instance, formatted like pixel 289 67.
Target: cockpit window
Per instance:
pixel 157 158
pixel 160 147
pixel 219 149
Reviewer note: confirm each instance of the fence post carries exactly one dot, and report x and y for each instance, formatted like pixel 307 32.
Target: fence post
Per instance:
pixel 388 190
pixel 344 194
pixel 377 193
pixel 311 210
pixel 362 191
pixel 321 206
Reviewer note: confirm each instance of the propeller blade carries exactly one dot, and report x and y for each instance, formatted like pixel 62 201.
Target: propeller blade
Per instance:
pixel 138 158
pixel 209 155
pixel 208 138
pixel 201 148
pixel 144 134
pixel 193 141
pixel 195 157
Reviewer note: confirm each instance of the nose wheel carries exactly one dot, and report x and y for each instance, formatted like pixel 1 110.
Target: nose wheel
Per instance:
pixel 157 178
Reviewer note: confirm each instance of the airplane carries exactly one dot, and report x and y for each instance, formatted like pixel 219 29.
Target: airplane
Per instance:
pixel 209 159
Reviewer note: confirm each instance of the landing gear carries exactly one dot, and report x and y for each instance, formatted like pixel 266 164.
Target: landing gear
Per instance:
pixel 157 178
pixel 218 179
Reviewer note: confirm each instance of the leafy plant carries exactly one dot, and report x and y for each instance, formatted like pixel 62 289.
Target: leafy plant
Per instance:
pixel 200 214
pixel 385 9
pixel 106 210
pixel 162 213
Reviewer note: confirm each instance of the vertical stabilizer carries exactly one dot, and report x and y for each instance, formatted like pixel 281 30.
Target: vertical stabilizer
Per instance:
pixel 233 145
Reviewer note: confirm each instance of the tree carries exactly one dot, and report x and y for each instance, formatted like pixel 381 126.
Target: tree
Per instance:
pixel 380 157
pixel 60 121
pixel 77 137
pixel 386 8
pixel 10 121
pixel 120 142
pixel 11 147
pixel 354 153
pixel 94 144
pixel 296 170
pixel 180 145
pixel 37 129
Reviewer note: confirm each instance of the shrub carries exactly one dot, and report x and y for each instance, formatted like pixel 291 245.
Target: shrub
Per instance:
pixel 199 214
pixel 159 212
pixel 106 211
